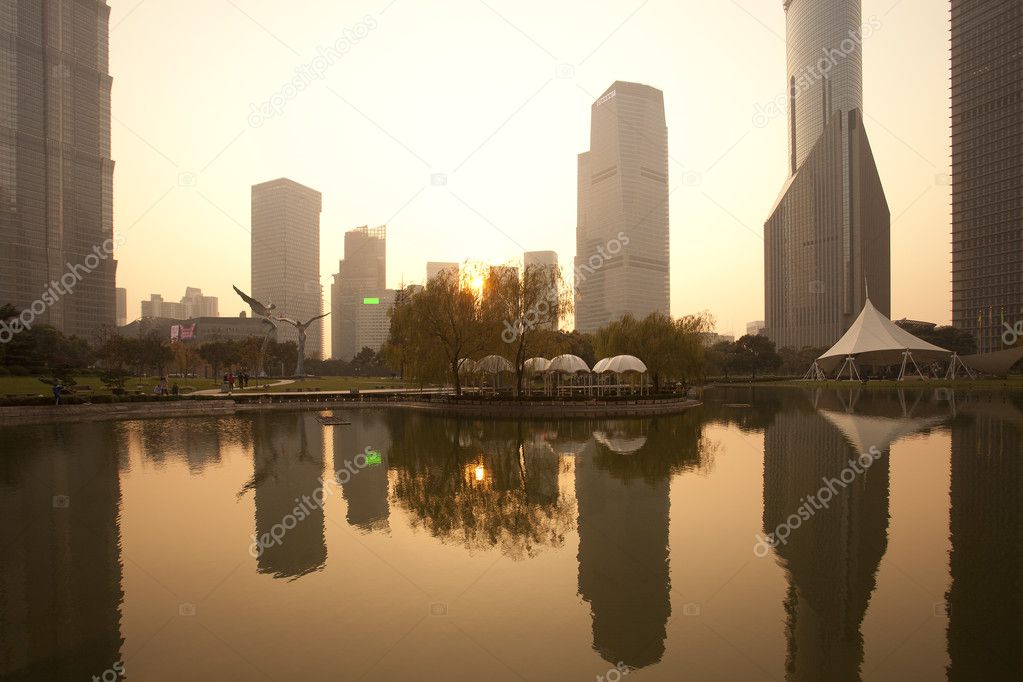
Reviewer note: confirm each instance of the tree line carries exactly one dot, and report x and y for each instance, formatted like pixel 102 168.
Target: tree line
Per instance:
pixel 497 310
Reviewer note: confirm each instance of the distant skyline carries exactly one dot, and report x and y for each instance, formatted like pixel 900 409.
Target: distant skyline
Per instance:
pixel 476 158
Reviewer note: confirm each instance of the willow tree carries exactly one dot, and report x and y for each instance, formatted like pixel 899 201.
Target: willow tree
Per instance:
pixel 669 348
pixel 527 309
pixel 436 328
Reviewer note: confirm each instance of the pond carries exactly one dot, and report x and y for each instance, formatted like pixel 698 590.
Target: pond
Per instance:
pixel 770 534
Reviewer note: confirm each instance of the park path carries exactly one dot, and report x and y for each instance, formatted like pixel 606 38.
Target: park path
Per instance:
pixel 216 391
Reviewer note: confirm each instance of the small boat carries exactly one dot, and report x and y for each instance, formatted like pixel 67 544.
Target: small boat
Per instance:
pixel 737 405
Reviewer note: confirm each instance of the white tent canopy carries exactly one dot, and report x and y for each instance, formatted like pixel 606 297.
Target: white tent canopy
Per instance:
pixel 601 365
pixel 467 366
pixel 535 365
pixel 493 364
pixel 568 364
pixel 620 364
pixel 873 339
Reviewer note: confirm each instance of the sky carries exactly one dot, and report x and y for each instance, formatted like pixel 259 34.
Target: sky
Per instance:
pixel 457 123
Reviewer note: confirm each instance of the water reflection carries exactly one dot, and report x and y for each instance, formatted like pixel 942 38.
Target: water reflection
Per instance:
pixel 60 567
pixel 523 489
pixel 365 492
pixel 985 601
pixel 480 484
pixel 287 466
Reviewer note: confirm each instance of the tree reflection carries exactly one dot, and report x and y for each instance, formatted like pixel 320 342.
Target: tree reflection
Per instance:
pixel 480 484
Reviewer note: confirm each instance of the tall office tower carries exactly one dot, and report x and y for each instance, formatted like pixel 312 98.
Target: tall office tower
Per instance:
pixel 828 238
pixel 122 306
pixel 286 256
pixel 622 261
pixel 545 259
pixel 433 269
pixel 987 168
pixel 362 275
pixel 56 174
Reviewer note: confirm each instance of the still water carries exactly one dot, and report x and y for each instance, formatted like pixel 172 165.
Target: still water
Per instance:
pixel 414 547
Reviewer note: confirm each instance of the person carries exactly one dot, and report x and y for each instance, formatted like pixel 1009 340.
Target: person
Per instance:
pixel 56 390
pixel 174 388
pixel 224 386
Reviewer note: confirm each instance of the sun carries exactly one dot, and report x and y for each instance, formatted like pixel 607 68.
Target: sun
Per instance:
pixel 477 284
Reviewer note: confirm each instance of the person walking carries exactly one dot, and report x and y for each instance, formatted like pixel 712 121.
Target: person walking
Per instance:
pixel 56 391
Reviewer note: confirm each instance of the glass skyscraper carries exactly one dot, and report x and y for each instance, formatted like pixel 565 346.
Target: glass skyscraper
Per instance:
pixel 56 174
pixel 286 256
pixel 359 299
pixel 622 244
pixel 987 169
pixel 828 240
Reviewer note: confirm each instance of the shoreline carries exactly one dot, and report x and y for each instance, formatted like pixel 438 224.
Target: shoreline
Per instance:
pixel 590 409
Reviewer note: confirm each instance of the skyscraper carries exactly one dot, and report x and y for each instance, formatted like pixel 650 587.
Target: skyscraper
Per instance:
pixel 987 168
pixel 434 268
pixel 122 306
pixel 56 174
pixel 286 256
pixel 361 276
pixel 622 244
pixel 827 240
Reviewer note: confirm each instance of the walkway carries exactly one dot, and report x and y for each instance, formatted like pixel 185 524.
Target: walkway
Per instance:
pixel 246 391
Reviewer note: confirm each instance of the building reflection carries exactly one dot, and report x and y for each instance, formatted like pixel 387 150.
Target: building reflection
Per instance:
pixel 365 492
pixel 832 553
pixel 288 465
pixel 622 486
pixel 985 600
pixel 60 567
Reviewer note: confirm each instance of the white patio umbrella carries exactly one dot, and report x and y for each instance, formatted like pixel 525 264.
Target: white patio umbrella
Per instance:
pixel 571 365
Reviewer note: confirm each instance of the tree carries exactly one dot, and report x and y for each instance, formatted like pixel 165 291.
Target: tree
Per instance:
pixel 950 338
pixel 669 348
pixel 756 352
pixel 526 306
pixel 186 357
pixel 218 353
pixel 445 321
pixel 365 361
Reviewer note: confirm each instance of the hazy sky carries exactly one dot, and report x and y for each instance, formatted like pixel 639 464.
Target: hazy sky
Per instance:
pixel 476 90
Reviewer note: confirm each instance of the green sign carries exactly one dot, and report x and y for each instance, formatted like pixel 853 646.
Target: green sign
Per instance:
pixel 371 301
pixel 373 458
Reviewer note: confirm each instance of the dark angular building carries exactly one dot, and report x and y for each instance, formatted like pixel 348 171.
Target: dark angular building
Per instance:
pixel 987 168
pixel 56 174
pixel 828 240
